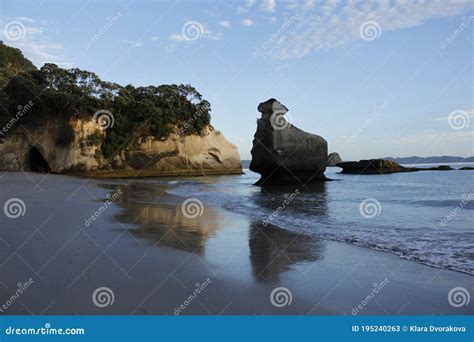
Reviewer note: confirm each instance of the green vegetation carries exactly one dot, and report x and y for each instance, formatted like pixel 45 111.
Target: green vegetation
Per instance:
pixel 64 94
pixel 12 63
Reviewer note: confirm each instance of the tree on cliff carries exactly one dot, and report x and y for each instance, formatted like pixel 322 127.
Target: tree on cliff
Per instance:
pixel 74 93
pixel 12 63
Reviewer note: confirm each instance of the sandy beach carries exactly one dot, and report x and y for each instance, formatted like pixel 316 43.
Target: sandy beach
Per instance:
pixel 153 259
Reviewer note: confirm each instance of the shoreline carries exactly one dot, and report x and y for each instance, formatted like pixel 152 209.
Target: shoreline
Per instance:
pixel 152 257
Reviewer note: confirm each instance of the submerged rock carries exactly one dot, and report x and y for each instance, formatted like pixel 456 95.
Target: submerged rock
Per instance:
pixel 283 154
pixel 333 159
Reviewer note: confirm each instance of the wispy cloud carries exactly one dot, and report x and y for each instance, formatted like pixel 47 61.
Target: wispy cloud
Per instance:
pixel 268 6
pixel 467 112
pixel 224 24
pixel 193 30
pixel 132 43
pixel 331 23
pixel 246 22
pixel 31 37
pixel 247 5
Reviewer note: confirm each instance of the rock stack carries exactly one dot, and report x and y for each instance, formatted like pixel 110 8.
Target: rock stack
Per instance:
pixel 284 154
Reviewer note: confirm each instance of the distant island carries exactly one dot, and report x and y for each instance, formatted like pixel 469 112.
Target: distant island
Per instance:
pixel 430 160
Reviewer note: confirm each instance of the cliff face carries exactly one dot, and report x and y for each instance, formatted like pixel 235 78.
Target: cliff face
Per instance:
pixel 37 150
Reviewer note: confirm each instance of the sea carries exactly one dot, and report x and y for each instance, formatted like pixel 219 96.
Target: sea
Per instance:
pixel 422 216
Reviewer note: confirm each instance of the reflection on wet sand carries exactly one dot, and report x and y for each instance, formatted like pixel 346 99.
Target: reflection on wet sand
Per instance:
pixel 155 215
pixel 274 250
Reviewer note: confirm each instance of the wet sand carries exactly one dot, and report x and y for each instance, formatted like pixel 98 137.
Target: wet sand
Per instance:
pixel 153 258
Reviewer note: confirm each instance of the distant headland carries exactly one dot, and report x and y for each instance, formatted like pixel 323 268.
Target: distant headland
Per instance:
pixel 411 160
pixel 430 160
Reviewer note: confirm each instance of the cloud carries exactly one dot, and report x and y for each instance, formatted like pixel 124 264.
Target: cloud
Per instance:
pixel 224 23
pixel 247 5
pixel 193 30
pixel 465 112
pixel 132 43
pixel 155 38
pixel 330 24
pixel 177 37
pixel 30 37
pixel 247 22
pixel 272 20
pixel 268 5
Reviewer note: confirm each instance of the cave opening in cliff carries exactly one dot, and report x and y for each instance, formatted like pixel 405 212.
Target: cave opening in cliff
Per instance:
pixel 36 161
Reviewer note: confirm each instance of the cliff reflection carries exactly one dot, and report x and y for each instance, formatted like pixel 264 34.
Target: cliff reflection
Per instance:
pixel 153 214
pixel 157 216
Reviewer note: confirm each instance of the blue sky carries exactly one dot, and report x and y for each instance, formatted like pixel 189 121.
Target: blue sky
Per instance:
pixel 375 79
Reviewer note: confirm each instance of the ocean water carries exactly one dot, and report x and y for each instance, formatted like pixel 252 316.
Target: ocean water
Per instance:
pixel 422 216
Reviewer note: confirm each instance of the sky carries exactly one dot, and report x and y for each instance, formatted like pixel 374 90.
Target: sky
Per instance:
pixel 374 78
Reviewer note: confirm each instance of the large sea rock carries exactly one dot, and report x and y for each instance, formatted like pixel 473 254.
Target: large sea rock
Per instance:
pixel 284 154
pixel 209 153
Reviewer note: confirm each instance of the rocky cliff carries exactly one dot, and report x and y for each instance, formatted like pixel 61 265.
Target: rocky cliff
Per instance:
pixel 36 149
pixel 70 121
pixel 284 154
